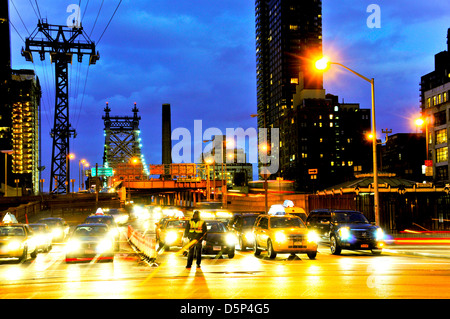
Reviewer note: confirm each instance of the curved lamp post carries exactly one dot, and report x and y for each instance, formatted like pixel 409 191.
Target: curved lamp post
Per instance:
pixel 323 64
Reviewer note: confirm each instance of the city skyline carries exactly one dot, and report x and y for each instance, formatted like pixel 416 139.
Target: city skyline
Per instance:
pixel 201 59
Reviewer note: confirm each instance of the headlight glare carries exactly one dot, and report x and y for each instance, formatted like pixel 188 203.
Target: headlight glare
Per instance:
pixel 73 245
pixel 231 239
pixel 104 245
pixel 313 237
pixel 170 237
pixel 280 237
pixel 14 245
pixel 249 237
pixel 379 234
pixel 344 233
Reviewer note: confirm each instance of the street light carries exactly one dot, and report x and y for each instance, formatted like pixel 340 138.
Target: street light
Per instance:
pixel 323 64
pixel 68 157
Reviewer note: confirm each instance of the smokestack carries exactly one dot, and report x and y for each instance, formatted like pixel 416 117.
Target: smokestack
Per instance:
pixel 448 40
pixel 5 40
pixel 166 135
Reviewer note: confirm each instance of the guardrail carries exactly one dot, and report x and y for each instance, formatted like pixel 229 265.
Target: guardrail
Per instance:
pixel 144 244
pixel 24 211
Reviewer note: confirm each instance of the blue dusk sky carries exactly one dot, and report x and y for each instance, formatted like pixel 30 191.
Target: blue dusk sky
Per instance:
pixel 199 56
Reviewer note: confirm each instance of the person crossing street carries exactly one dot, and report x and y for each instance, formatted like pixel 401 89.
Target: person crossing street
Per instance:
pixel 195 231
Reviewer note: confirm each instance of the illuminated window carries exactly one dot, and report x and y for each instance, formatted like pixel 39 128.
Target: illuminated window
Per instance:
pixel 293 27
pixel 294 80
pixel 444 97
pixel 441 154
pixel 441 136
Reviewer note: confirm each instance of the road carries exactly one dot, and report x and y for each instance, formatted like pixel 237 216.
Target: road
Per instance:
pixel 392 275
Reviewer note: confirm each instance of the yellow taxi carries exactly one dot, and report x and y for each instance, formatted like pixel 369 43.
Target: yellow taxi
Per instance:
pixel 171 232
pixel 283 234
pixel 17 241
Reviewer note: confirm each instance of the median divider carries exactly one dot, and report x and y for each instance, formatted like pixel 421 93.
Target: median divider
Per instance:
pixel 144 244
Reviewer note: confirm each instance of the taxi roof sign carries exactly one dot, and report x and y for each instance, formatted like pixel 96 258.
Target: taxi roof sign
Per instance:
pixel 99 211
pixel 9 218
pixel 288 203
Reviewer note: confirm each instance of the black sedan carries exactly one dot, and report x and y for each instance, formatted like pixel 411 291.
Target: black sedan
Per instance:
pixel 58 227
pixel 90 242
pixel 110 222
pixel 218 239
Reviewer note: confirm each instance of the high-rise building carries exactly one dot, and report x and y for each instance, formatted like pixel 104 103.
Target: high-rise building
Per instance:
pixel 435 106
pixel 20 95
pixel 25 95
pixel 288 39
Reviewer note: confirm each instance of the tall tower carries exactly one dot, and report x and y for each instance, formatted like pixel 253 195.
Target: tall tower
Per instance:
pixel 5 53
pixel 288 39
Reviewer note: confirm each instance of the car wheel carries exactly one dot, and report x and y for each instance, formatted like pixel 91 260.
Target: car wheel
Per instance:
pixel 272 254
pixel 241 244
pixel 312 254
pixel 34 254
pixel 376 251
pixel 24 255
pixel 334 246
pixel 231 254
pixel 256 250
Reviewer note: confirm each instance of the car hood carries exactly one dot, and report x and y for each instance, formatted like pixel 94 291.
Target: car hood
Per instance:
pixel 216 237
pixel 8 239
pixel 359 226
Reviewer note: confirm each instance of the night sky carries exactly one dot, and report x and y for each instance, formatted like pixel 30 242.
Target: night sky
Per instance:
pixel 199 56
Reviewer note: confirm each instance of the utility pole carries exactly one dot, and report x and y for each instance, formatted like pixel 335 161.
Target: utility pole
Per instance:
pixel 61 42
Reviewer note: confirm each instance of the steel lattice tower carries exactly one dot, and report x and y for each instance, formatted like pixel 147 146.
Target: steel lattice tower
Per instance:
pixel 61 42
pixel 122 141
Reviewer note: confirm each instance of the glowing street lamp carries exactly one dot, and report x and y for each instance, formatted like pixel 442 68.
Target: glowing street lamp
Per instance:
pixel 323 64
pixel 69 157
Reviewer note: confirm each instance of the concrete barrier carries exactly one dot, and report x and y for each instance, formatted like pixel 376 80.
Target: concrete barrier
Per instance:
pixel 144 244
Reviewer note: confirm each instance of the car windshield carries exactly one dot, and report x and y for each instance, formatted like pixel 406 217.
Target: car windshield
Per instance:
pixel 12 231
pixel 38 228
pixel 83 231
pixel 176 224
pixel 51 222
pixel 215 227
pixel 99 220
pixel 248 221
pixel 350 218
pixel 286 222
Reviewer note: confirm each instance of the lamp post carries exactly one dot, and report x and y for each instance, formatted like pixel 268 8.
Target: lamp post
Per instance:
pixel 80 176
pixel 6 152
pixel 323 64
pixel 68 158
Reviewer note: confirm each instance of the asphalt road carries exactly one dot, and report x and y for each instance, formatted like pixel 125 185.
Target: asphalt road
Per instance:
pixel 398 273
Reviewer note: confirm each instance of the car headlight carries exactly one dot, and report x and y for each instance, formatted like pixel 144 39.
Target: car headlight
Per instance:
pixel 57 232
pixel 379 234
pixel 171 237
pixel 104 245
pixel 231 239
pixel 114 232
pixel 344 233
pixel 13 245
pixel 73 245
pixel 313 237
pixel 249 237
pixel 280 236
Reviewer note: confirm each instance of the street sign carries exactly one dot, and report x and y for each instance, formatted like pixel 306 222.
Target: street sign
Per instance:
pixel 428 163
pixel 312 171
pixel 429 171
pixel 102 171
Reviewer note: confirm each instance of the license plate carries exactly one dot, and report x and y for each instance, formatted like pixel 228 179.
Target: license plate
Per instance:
pixel 298 242
pixel 88 251
pixel 217 247
pixel 364 246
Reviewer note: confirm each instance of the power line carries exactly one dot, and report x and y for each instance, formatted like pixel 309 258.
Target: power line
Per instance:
pixel 95 22
pixel 109 22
